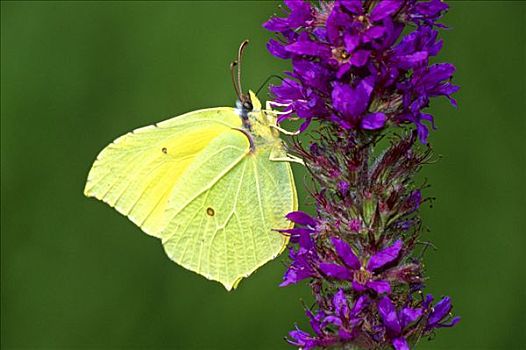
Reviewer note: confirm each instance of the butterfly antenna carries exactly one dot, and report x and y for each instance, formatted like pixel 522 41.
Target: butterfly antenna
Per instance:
pixel 239 59
pixel 266 81
pixel 232 75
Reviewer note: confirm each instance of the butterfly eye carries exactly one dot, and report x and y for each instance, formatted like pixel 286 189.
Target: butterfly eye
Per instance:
pixel 247 105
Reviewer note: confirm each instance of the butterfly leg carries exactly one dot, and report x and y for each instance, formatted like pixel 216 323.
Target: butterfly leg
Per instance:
pixel 269 110
pixel 279 155
pixel 285 132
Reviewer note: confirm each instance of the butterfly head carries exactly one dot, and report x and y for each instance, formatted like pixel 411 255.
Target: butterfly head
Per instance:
pixel 247 103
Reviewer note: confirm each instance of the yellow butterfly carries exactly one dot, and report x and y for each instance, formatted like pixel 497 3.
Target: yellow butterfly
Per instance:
pixel 212 184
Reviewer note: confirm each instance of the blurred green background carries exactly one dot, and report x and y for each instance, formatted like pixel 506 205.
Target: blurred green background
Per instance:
pixel 76 274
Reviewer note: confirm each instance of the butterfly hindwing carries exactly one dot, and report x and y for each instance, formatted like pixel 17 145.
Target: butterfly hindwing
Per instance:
pixel 227 231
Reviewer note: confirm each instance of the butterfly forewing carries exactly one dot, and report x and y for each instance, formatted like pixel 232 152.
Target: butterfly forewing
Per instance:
pixel 137 172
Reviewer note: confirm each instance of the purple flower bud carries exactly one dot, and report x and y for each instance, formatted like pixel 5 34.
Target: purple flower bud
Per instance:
pixel 355 225
pixel 343 187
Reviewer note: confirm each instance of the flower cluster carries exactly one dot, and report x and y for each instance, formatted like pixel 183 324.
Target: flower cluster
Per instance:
pixel 379 315
pixel 362 68
pixel 351 66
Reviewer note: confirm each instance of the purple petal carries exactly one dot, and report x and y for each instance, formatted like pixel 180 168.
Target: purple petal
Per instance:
pixel 301 218
pixel 350 101
pixel 359 58
pixel 293 276
pixel 430 8
pixel 354 6
pixel 360 304
pixel 345 253
pixel 407 62
pixel 320 33
pixel 423 132
pixel 335 271
pixel 302 339
pixel 375 32
pixel 379 287
pixel 343 101
pixel 277 24
pixel 427 300
pixel 288 90
pixel 436 74
pixel 385 256
pixel 299 269
pixel 373 121
pixel 351 42
pixel 300 13
pixel 341 306
pixel 315 320
pixel 343 69
pixel 440 311
pixel 451 323
pixel 409 315
pixel 278 50
pixel 344 335
pixel 400 344
pixel 358 287
pixel 387 311
pixel 384 8
pixel 312 105
pixel 335 22
pixel 335 320
pixel 300 235
pixel 309 48
pixel 312 74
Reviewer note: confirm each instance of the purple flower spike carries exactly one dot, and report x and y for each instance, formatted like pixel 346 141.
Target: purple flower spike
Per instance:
pixel 362 71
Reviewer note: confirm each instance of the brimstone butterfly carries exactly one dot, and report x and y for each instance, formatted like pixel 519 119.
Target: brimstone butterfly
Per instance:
pixel 212 184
